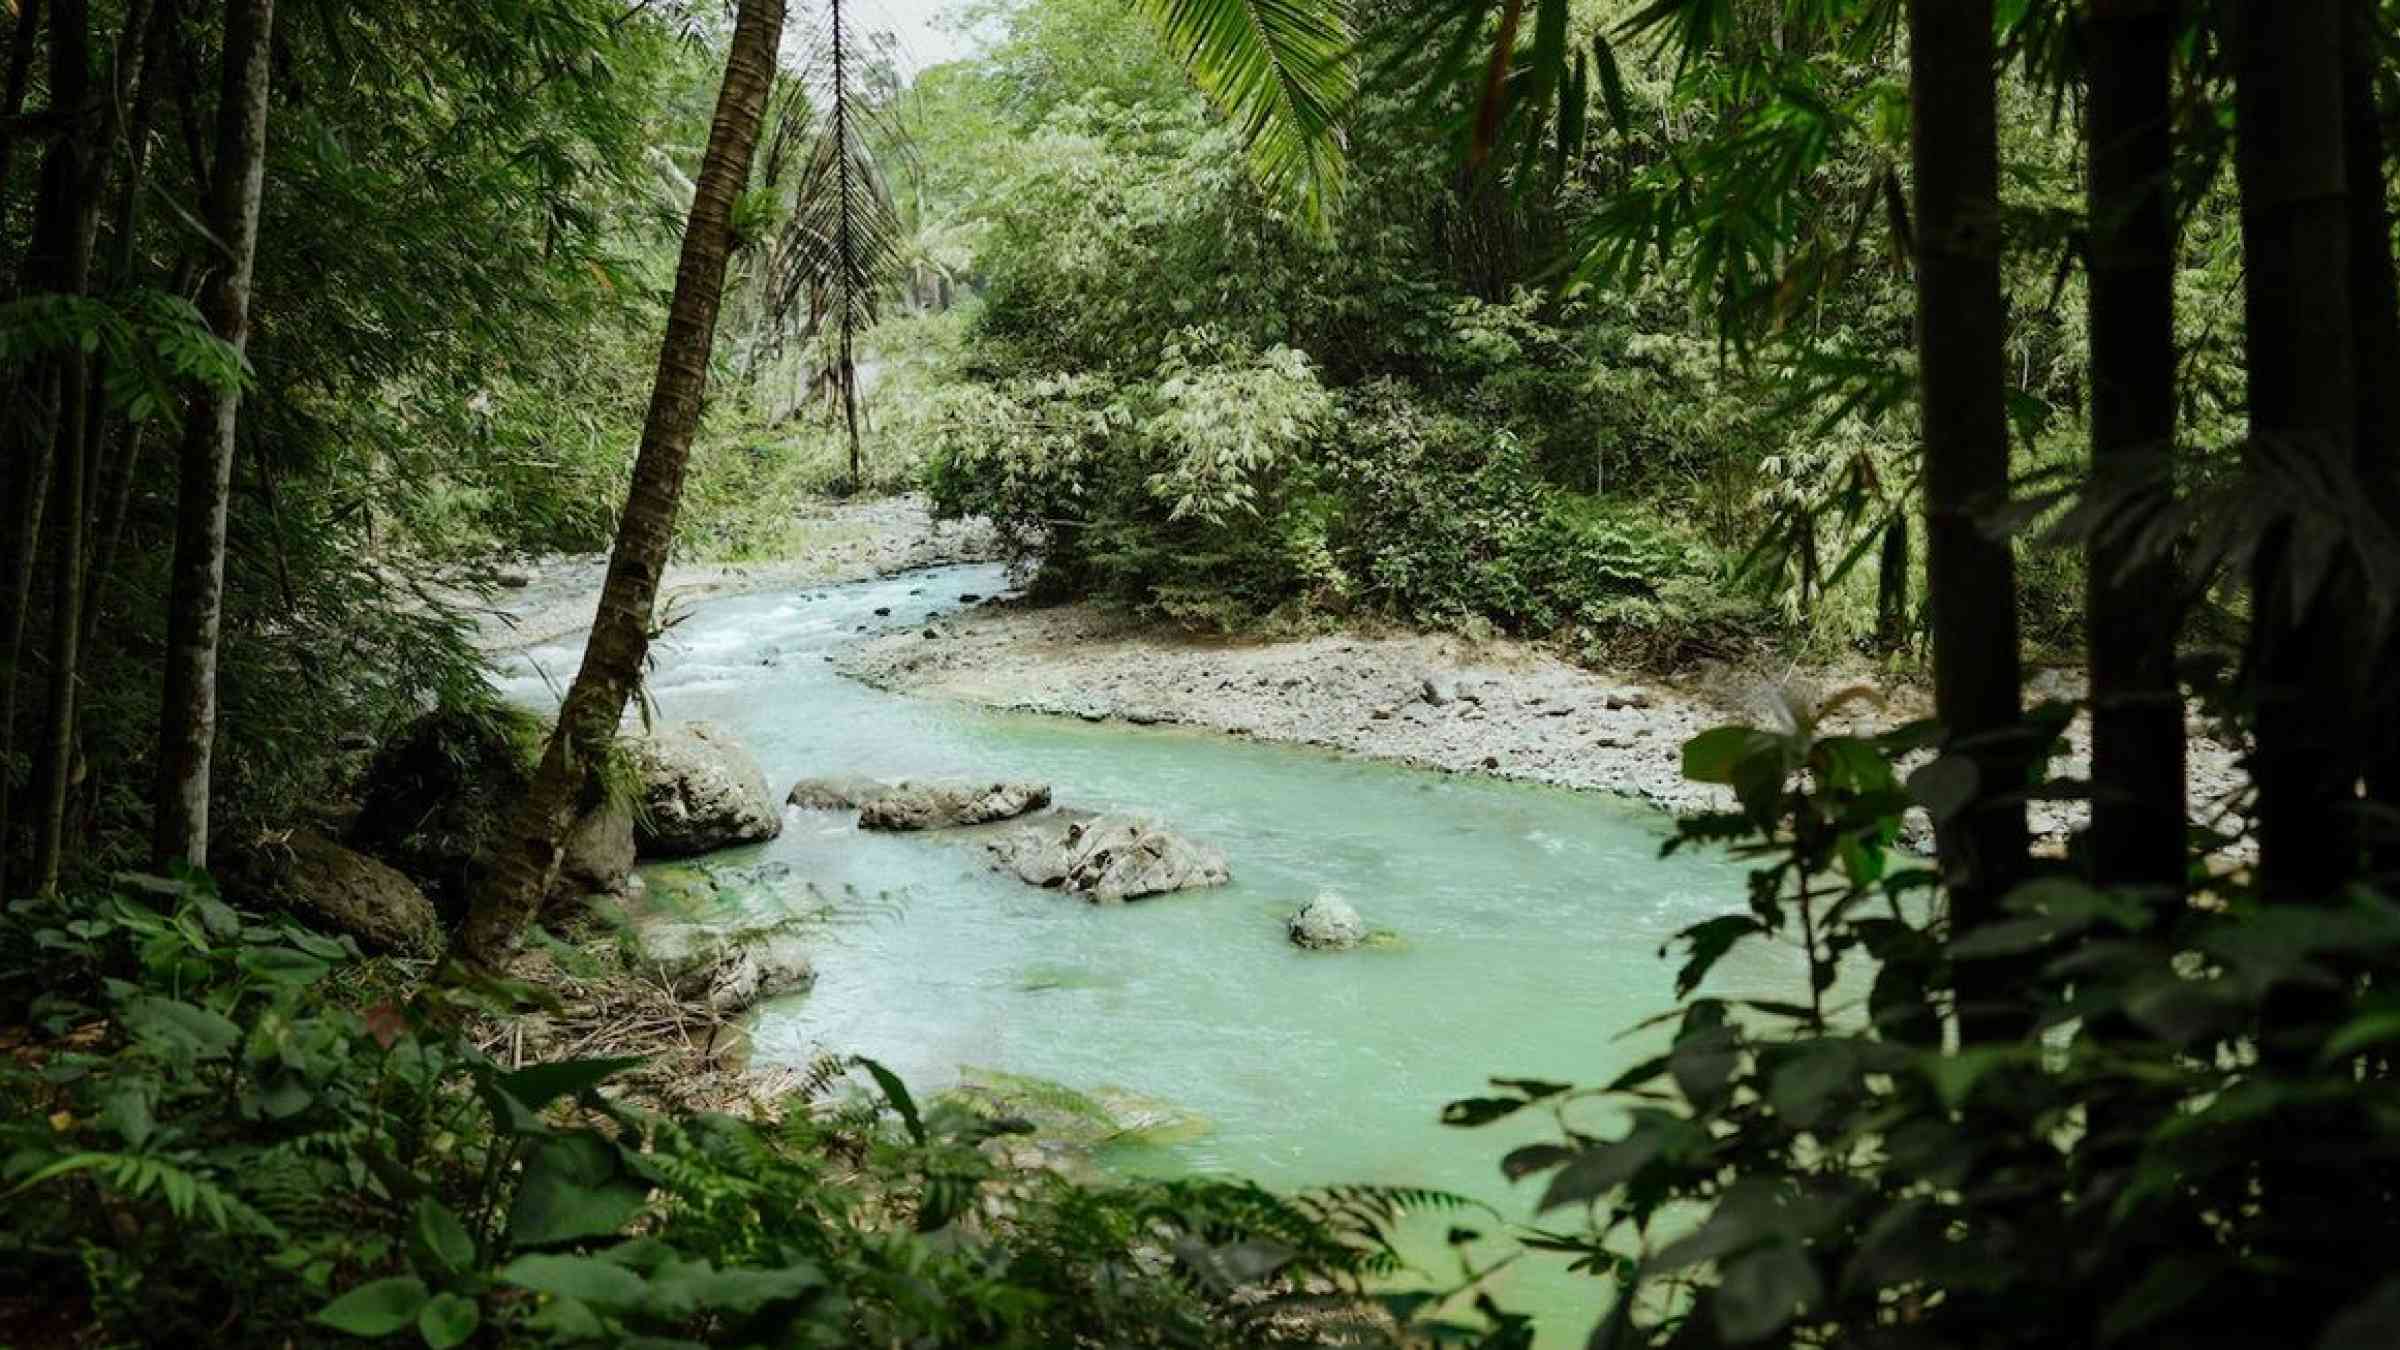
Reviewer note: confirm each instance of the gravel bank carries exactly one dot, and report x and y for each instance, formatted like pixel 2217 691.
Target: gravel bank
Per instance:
pixel 1505 709
pixel 542 600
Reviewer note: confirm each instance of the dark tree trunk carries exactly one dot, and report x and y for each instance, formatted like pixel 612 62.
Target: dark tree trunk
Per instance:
pixel 60 260
pixel 2296 252
pixel 2375 325
pixel 1891 585
pixel 2138 812
pixel 188 722
pixel 525 862
pixel 1970 572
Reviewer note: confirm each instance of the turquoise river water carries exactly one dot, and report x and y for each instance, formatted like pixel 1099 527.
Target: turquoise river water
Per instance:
pixel 1530 920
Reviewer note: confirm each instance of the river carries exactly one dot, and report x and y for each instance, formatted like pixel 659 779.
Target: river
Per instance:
pixel 1529 921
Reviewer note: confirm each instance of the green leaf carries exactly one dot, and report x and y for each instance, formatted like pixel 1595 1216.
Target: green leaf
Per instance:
pixel 542 1084
pixel 180 1029
pixel 1524 1162
pixel 1714 755
pixel 1595 1171
pixel 681 1289
pixel 2361 1033
pixel 1855 765
pixel 896 1092
pixel 1469 1112
pixel 573 1188
pixel 443 1237
pixel 448 1320
pixel 587 1279
pixel 1759 1292
pixel 1945 786
pixel 376 1308
pixel 282 965
pixel 1954 1076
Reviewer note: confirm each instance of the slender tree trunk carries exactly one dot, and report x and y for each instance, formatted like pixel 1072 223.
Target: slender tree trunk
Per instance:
pixel 1970 573
pixel 2296 251
pixel 58 260
pixel 525 863
pixel 112 478
pixel 188 722
pixel 2375 324
pixel 2138 752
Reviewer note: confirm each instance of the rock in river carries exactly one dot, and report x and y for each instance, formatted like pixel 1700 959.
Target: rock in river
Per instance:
pixel 1327 923
pixel 941 806
pixel 728 970
pixel 1110 858
pixel 700 791
pixel 841 792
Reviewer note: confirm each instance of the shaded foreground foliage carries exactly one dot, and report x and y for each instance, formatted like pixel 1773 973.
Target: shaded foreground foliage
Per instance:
pixel 231 1129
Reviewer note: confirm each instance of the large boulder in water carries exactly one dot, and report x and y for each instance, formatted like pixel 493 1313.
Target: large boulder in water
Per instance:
pixel 941 806
pixel 728 969
pixel 325 885
pixel 841 792
pixel 700 791
pixel 436 796
pixel 1327 923
pixel 1111 858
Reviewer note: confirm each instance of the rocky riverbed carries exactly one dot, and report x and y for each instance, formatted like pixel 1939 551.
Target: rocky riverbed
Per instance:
pixel 1500 708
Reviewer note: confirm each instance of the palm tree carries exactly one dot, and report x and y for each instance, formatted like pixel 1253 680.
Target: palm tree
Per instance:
pixel 525 862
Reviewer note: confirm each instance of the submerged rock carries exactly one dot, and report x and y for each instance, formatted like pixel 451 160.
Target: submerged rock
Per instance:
pixel 326 885
pixel 947 805
pixel 1110 859
pixel 700 791
pixel 1327 923
pixel 1078 1120
pixel 728 970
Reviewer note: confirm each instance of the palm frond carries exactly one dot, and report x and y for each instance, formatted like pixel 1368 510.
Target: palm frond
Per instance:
pixel 842 248
pixel 1284 72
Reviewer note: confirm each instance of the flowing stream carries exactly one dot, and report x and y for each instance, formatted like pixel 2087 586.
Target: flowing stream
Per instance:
pixel 1529 922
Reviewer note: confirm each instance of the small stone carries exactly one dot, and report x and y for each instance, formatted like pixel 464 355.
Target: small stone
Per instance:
pixel 883 611
pixel 1620 699
pixel 929 633
pixel 1491 761
pixel 1438 691
pixel 1383 713
pixel 1561 710
pixel 515 581
pixel 969 598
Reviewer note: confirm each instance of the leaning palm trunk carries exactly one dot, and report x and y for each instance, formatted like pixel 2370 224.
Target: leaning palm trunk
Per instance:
pixel 187 726
pixel 525 862
pixel 2295 244
pixel 1970 574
